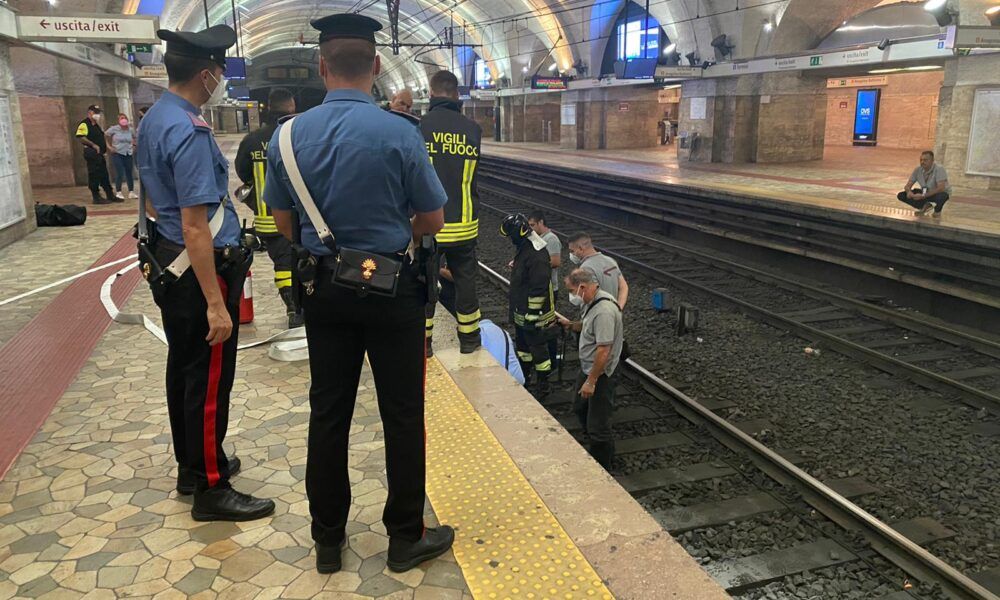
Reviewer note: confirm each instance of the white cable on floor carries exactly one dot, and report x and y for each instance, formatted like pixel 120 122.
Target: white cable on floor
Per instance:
pixel 65 280
pixel 290 351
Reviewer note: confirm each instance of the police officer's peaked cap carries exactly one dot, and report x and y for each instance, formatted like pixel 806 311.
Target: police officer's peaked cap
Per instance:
pixel 208 43
pixel 346 25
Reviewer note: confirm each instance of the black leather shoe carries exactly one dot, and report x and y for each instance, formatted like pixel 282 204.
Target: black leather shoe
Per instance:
pixel 404 556
pixel 429 348
pixel 329 559
pixel 226 504
pixel 186 482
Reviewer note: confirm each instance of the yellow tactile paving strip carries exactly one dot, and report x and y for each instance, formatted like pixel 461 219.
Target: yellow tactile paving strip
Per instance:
pixel 508 543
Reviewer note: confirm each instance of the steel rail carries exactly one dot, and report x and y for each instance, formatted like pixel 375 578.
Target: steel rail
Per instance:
pixel 972 396
pixel 899 549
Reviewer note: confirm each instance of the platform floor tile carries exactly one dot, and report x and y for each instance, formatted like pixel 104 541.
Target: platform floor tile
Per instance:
pixel 508 543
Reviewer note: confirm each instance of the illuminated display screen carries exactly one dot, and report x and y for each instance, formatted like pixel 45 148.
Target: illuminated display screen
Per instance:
pixel 866 117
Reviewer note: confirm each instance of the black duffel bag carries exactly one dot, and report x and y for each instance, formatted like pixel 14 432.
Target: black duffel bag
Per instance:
pixel 66 215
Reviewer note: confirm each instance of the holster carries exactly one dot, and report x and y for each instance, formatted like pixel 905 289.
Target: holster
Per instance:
pixel 304 271
pixel 152 271
pixel 429 268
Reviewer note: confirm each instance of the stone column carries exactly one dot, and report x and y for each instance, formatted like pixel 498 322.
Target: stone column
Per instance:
pixel 775 117
pixel 20 187
pixel 611 118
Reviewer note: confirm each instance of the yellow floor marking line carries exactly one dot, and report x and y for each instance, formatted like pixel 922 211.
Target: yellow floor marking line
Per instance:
pixel 508 543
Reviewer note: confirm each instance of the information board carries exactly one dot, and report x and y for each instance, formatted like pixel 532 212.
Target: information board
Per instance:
pixel 699 108
pixel 984 143
pixel 11 197
pixel 568 115
pixel 866 118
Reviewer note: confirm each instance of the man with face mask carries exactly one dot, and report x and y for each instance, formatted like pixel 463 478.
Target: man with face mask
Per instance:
pixel 90 132
pixel 184 174
pixel 532 303
pixel 601 340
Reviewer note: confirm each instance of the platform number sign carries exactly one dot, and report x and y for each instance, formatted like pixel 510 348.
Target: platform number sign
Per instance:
pixel 866 117
pixel 815 61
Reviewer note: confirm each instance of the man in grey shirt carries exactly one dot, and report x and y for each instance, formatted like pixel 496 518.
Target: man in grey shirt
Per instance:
pixel 583 253
pixel 602 335
pixel 927 188
pixel 552 243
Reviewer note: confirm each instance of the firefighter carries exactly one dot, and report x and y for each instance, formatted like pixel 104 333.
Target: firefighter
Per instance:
pixel 532 304
pixel 453 143
pixel 251 166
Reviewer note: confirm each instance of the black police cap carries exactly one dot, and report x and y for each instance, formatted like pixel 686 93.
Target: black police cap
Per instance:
pixel 208 43
pixel 346 25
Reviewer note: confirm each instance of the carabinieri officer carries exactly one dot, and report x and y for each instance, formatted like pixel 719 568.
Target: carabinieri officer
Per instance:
pixel 185 176
pixel 366 171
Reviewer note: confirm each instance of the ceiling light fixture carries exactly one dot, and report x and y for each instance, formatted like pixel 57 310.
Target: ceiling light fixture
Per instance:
pixel 553 67
pixel 993 14
pixel 669 49
pixel 768 26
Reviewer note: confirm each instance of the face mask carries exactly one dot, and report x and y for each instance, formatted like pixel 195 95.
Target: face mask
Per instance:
pixel 574 259
pixel 98 118
pixel 123 122
pixel 216 95
pixel 575 300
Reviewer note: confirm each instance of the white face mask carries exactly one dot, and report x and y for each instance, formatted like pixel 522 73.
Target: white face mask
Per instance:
pixel 216 95
pixel 575 300
pixel 574 258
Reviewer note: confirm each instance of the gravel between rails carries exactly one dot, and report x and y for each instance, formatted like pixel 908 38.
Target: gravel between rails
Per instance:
pixel 930 456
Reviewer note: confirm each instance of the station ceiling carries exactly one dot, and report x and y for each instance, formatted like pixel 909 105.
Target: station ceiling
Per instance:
pixel 514 37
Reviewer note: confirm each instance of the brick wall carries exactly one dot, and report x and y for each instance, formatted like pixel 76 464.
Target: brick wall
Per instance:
pixel 790 128
pixel 908 113
pixel 48 145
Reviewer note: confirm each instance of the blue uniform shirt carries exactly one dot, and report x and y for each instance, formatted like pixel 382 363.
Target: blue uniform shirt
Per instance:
pixel 367 171
pixel 180 166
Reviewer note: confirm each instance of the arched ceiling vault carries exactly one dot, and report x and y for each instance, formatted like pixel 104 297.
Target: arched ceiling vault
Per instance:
pixel 513 36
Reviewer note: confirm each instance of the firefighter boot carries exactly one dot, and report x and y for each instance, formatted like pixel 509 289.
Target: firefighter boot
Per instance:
pixel 542 388
pixel 469 343
pixel 294 314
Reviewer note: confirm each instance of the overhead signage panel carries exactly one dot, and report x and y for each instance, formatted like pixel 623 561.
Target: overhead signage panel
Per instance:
pixel 678 72
pixel 134 29
pixel 930 48
pixel 962 37
pixel 541 82
pixel 852 82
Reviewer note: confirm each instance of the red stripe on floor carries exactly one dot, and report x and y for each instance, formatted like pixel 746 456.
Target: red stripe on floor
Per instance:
pixel 40 362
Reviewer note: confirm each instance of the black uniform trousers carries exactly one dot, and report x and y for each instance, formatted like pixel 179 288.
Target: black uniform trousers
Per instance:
pixel 594 413
pixel 97 174
pixel 340 328
pixel 461 261
pixel 937 199
pixel 199 376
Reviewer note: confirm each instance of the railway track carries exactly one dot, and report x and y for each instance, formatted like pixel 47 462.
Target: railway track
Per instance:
pixel 687 445
pixel 960 364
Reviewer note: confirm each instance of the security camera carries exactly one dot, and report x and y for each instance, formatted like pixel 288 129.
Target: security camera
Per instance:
pixel 692 58
pixel 722 45
pixel 884 44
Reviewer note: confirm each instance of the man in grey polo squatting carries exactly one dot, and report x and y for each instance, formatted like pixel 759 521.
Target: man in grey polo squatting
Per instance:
pixel 927 188
pixel 601 340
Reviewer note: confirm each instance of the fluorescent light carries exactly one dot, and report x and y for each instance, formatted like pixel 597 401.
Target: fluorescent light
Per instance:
pixel 932 5
pixel 524 69
pixel 768 26
pixel 883 71
pixel 923 68
pixel 554 67
pixel 670 48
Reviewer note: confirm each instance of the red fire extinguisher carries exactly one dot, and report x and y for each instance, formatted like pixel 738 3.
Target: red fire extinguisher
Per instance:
pixel 246 301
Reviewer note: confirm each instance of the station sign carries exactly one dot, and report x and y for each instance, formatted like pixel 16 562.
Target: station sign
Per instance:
pixel 678 72
pixel 541 82
pixel 134 29
pixel 484 94
pixel 153 72
pixel 852 82
pixel 962 37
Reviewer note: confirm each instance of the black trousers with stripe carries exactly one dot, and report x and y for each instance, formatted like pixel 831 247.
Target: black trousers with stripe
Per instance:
pixel 340 328
pixel 279 248
pixel 199 376
pixel 464 267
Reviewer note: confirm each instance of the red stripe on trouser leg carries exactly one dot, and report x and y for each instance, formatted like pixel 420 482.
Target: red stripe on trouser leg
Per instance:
pixel 423 526
pixel 211 404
